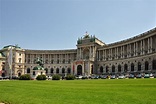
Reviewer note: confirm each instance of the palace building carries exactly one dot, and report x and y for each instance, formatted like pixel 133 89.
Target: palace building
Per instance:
pixel 92 56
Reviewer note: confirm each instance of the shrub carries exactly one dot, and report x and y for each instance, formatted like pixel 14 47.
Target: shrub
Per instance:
pixel 56 77
pixel 70 77
pixel 41 77
pixel 25 77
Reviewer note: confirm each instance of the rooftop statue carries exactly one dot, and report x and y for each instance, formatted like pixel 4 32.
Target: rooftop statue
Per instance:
pixel 86 36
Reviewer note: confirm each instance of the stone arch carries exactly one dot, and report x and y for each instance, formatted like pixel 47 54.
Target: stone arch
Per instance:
pixel 146 65
pixel 19 73
pixel 107 70
pixel 57 70
pixel 132 67
pixel 154 64
pixel 28 70
pixel 79 70
pixel 139 66
pixel 69 70
pixel 63 70
pixel 51 70
pixel 101 69
pixel 125 68
pixel 119 68
pixel 113 69
pixel 46 69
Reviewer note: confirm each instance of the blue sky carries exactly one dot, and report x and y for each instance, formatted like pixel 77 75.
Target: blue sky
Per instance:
pixel 57 24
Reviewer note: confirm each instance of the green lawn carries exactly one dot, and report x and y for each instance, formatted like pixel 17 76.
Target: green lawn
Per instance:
pixel 118 91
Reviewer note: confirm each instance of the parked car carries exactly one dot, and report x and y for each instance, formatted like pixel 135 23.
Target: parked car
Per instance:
pixel 113 77
pixel 138 76
pixel 131 76
pixel 104 77
pixel 146 76
pixel 121 77
pixel 151 75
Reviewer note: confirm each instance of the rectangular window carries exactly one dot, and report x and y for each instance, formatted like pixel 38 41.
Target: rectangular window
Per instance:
pixel 19 60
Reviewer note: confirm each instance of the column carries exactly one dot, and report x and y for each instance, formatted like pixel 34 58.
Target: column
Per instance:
pixel 105 54
pixel 141 47
pixel 134 49
pixel 148 48
pixel 123 52
pixel 127 50
pixel 117 52
pixel 151 45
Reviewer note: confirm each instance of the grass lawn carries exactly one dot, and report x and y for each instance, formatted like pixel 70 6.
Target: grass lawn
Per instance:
pixel 123 91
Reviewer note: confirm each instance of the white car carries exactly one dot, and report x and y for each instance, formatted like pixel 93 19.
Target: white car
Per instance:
pixel 121 77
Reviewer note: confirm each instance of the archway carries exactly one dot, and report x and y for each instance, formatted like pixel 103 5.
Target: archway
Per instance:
pixel 92 69
pixel 28 70
pixel 125 68
pixel 107 70
pixel 19 74
pixel 154 64
pixel 3 74
pixel 63 70
pixel 51 70
pixel 68 70
pixel 79 70
pixel 113 68
pixel 132 67
pixel 119 68
pixel 146 65
pixel 101 69
pixel 57 70
pixel 139 66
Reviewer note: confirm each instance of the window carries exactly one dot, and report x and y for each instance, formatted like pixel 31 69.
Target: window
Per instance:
pixel 57 70
pixel 132 67
pixel 63 70
pixel 51 71
pixel 28 70
pixel 19 60
pixel 33 72
pixel 19 54
pixel 101 69
pixel 69 70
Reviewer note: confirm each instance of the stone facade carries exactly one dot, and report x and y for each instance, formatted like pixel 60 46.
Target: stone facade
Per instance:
pixel 92 56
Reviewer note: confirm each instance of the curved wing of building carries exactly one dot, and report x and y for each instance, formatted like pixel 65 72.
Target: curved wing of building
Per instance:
pixel 92 56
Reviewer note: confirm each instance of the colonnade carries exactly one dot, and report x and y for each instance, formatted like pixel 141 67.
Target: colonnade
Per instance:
pixel 126 50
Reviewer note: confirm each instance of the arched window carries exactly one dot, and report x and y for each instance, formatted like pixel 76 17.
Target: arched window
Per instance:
pixel 113 68
pixel 46 69
pixel 119 68
pixel 146 65
pixel 57 70
pixel 139 66
pixel 132 67
pixel 154 64
pixel 101 69
pixel 28 70
pixel 69 70
pixel 107 70
pixel 51 70
pixel 63 70
pixel 125 68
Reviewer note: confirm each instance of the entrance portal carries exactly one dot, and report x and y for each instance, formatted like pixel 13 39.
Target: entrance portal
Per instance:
pixel 79 70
